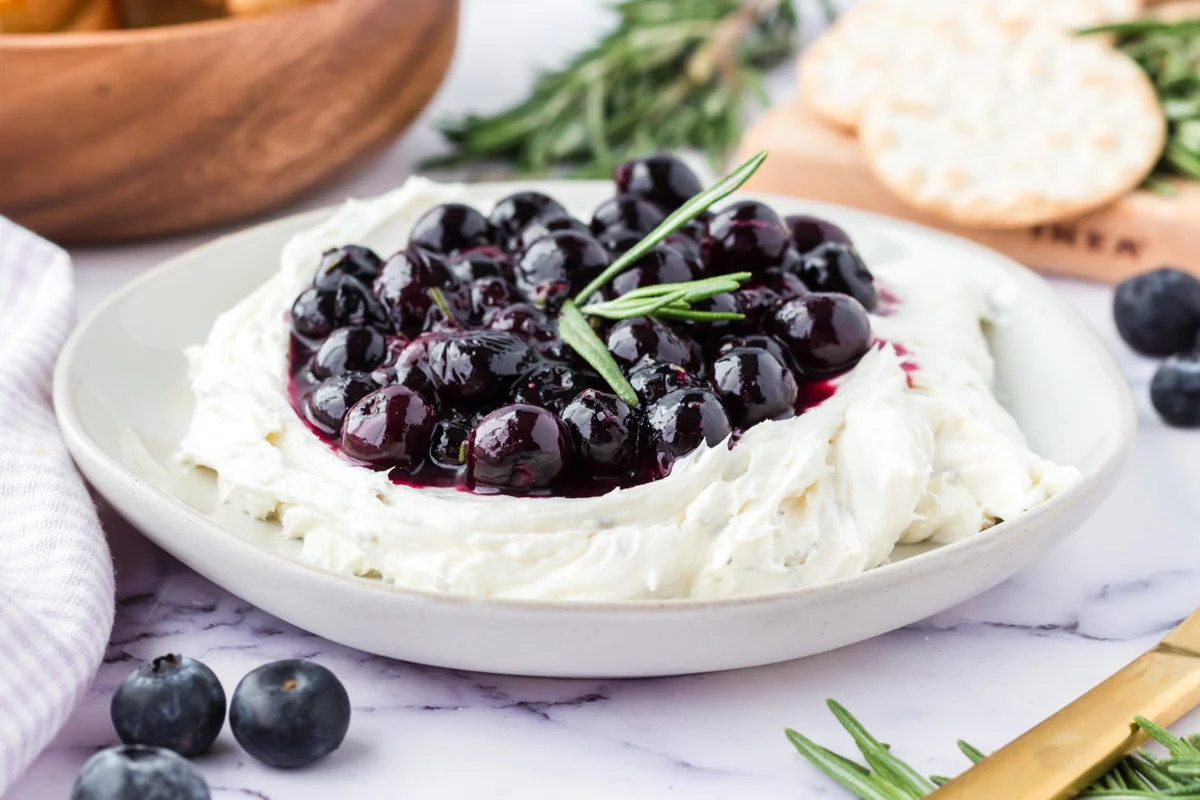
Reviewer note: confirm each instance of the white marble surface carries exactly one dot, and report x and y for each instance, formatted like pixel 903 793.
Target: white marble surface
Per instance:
pixel 985 671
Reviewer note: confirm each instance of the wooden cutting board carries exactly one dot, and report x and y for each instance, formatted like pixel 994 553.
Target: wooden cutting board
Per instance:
pixel 1142 231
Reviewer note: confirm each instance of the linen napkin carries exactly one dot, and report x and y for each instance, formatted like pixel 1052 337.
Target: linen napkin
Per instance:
pixel 56 576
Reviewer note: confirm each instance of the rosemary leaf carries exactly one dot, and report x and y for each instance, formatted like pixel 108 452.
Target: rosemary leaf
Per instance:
pixel 576 332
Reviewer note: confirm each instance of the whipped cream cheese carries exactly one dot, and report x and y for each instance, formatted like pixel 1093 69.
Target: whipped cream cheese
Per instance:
pixel 897 454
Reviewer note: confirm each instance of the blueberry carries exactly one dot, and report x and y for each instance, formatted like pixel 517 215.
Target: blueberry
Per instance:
pixel 663 180
pixel 514 213
pixel 557 266
pixel 754 386
pixel 349 350
pixel 317 312
pixel 489 293
pixel 404 285
pixel 549 386
pixel 325 407
pixel 680 422
pixel 653 381
pixel 643 340
pixel 481 262
pixel 544 226
pixel 389 428
pixel 744 237
pixel 172 702
pixel 518 449
pixel 451 228
pixel 626 213
pixel 760 341
pixel 136 772
pixel 357 262
pixel 1158 313
pixel 663 264
pixel 447 447
pixel 607 432
pixel 835 267
pixel 290 713
pixel 808 233
pixel 523 320
pixel 1175 390
pixel 826 334
pixel 475 367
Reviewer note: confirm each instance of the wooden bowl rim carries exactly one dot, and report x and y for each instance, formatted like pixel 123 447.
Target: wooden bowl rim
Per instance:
pixel 211 27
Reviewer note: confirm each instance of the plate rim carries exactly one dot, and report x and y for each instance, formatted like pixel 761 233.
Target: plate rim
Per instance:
pixel 84 449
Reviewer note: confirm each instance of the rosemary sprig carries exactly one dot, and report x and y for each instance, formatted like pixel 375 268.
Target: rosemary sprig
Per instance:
pixel 1169 52
pixel 668 301
pixel 887 777
pixel 672 74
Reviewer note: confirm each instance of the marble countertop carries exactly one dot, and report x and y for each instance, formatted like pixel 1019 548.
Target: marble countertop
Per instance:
pixel 985 670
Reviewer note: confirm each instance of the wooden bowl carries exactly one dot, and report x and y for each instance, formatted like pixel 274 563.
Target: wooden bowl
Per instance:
pixel 131 133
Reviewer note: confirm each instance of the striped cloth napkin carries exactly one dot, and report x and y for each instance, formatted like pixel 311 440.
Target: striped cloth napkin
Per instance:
pixel 56 577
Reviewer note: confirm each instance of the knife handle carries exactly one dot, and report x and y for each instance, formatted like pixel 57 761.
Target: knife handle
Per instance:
pixel 1065 754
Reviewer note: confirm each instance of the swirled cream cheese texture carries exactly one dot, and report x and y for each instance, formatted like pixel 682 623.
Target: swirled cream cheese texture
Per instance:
pixel 797 502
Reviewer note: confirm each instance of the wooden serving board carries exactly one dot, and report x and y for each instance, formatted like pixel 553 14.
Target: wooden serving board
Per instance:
pixel 1142 231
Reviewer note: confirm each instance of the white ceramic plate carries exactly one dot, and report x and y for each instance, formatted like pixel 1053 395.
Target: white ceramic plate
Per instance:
pixel 123 400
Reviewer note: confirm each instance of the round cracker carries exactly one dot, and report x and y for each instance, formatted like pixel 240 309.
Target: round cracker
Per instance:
pixel 840 71
pixel 1048 129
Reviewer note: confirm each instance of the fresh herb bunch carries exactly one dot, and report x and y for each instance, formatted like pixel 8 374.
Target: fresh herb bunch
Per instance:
pixel 673 74
pixel 1169 52
pixel 886 777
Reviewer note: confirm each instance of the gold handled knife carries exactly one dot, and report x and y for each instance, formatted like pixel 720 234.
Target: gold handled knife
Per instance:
pixel 1065 754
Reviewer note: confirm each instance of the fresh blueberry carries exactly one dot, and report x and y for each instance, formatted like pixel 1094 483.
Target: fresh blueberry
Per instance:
pixel 1158 313
pixel 826 334
pixel 325 407
pixel 290 713
pixel 172 702
pixel 654 381
pixel 557 266
pixel 451 228
pixel 754 386
pixel 518 449
pixel 358 262
pixel 389 428
pixel 349 350
pixel 680 422
pixel 512 214
pixel 136 772
pixel 404 287
pixel 607 433
pixel 835 267
pixel 663 180
pixel 809 233
pixel 1175 390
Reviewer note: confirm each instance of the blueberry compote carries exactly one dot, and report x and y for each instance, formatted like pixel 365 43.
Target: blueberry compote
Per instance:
pixel 442 364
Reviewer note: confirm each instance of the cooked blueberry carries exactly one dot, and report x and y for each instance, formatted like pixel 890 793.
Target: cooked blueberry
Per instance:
pixel 784 284
pixel 518 449
pixel 549 386
pixel 410 368
pixel 522 319
pixel 358 262
pixel 481 262
pixel 760 341
pixel 680 422
pixel 317 312
pixel 628 213
pixel 726 303
pixel 389 428
pixel 325 407
pixel 1158 314
pixel 290 713
pixel 758 304
pixel 544 226
pixel 451 228
pixel 687 244
pixel 447 446
pixel 754 385
pixel 404 283
pixel 172 702
pixel 489 293
pixel 618 239
pixel 835 267
pixel 744 237
pixel 607 433
pixel 643 340
pixel 557 266
pixel 1175 390
pixel 349 350
pixel 512 214
pixel 654 381
pixel 809 233
pixel 663 264
pixel 478 366
pixel 826 334
pixel 135 772
pixel 663 180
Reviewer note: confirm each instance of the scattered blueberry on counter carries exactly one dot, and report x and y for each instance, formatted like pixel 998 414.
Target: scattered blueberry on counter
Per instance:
pixel 290 713
pixel 443 364
pixel 137 772
pixel 1158 314
pixel 172 702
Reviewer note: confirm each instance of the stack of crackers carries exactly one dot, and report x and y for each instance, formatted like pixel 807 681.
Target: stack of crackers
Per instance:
pixel 992 119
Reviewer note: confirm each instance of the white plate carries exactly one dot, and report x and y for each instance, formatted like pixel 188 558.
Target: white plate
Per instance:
pixel 123 400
